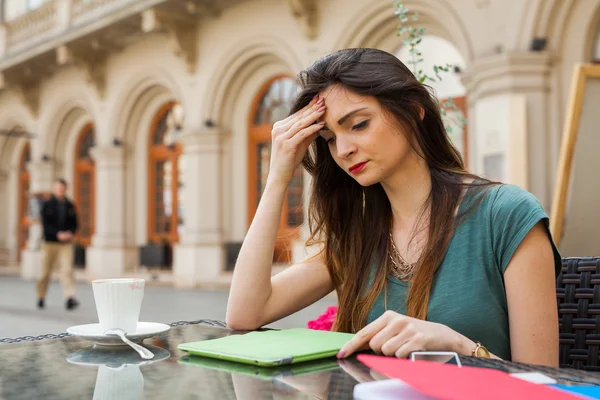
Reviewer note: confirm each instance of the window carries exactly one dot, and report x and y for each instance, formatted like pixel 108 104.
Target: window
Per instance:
pixel 454 119
pixel 166 188
pixel 84 185
pixel 275 102
pixel 272 104
pixel 33 4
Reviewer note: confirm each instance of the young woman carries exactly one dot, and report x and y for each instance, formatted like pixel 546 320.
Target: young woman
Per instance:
pixel 422 254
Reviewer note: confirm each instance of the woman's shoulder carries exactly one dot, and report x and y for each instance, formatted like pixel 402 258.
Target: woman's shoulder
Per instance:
pixel 513 212
pixel 511 199
pixel 502 207
pixel 498 198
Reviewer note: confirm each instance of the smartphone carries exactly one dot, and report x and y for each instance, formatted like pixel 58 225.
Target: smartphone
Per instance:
pixel 443 357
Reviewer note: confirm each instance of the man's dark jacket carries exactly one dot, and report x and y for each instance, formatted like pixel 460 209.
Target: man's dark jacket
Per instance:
pixel 55 220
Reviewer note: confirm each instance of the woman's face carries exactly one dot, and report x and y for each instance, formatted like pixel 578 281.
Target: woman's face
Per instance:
pixel 363 139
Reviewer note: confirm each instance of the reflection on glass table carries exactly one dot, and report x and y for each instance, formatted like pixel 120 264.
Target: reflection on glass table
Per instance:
pixel 119 375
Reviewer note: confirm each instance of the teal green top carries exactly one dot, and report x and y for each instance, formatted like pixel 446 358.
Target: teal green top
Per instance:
pixel 468 292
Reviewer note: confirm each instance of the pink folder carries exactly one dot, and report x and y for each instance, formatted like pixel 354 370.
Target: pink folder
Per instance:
pixel 449 382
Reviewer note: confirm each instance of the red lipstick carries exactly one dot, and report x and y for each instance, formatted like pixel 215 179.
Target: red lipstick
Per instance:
pixel 356 168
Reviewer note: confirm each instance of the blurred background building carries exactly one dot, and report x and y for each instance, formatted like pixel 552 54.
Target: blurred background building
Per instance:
pixel 158 113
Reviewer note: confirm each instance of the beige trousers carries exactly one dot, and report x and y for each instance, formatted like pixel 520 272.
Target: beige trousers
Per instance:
pixel 51 254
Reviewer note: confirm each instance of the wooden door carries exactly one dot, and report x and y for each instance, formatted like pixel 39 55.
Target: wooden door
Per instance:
pixel 23 199
pixel 166 188
pixel 84 186
pixel 271 105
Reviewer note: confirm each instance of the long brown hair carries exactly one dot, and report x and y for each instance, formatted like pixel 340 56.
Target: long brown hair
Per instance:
pixel 340 224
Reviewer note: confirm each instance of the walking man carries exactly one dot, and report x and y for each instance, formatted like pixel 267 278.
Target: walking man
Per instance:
pixel 59 219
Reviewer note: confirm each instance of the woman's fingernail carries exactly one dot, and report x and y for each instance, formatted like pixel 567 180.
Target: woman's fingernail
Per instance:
pixel 321 109
pixel 341 354
pixel 322 123
pixel 320 100
pixel 316 97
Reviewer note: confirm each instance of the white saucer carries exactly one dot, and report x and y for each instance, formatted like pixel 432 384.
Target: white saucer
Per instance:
pixel 94 333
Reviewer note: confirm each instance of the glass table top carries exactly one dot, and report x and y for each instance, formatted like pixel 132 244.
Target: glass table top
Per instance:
pixel 72 367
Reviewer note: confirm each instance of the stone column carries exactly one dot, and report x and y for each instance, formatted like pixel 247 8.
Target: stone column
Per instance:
pixel 41 176
pixel 107 257
pixel 510 139
pixel 199 256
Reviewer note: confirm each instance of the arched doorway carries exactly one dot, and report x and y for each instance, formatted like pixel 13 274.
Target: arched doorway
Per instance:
pixel 166 189
pixel 84 192
pixel 23 199
pixel 272 104
pixel 439 51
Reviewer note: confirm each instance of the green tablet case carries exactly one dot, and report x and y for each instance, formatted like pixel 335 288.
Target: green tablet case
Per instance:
pixel 271 348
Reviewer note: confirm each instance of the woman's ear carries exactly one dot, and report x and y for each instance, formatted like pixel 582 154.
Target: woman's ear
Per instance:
pixel 421 112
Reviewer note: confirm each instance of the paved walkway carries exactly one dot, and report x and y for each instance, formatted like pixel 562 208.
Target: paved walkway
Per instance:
pixel 20 317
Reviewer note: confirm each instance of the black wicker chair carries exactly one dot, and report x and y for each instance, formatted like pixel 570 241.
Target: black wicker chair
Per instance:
pixel 578 297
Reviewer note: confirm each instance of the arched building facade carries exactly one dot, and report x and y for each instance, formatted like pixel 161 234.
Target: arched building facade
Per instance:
pixel 173 202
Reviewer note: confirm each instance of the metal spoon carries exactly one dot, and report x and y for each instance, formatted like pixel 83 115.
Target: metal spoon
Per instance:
pixel 144 352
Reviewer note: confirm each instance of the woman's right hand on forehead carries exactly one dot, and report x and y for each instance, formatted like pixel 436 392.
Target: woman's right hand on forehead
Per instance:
pixel 291 138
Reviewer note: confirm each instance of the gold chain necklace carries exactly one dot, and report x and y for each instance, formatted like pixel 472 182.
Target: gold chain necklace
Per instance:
pixel 401 269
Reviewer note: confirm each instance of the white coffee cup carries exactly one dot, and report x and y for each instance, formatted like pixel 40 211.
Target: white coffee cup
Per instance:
pixel 118 302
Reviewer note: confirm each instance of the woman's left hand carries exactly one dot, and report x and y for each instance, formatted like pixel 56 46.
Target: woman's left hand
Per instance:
pixel 397 335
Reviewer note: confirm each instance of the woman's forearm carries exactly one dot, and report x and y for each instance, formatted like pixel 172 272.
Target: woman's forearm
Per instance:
pixel 251 283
